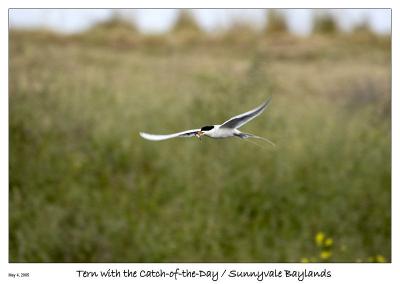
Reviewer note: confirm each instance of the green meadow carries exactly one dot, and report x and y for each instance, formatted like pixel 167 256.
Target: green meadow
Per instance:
pixel 85 187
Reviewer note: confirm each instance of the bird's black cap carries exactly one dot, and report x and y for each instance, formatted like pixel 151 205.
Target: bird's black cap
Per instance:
pixel 206 128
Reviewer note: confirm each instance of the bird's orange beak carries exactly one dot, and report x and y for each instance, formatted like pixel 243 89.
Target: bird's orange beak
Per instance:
pixel 199 134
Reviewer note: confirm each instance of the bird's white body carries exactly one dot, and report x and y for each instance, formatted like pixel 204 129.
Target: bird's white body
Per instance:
pixel 227 129
pixel 219 132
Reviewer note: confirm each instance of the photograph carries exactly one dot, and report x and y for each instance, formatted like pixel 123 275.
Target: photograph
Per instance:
pixel 199 135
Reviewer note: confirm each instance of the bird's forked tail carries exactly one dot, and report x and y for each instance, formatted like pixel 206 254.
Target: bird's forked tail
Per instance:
pixel 248 135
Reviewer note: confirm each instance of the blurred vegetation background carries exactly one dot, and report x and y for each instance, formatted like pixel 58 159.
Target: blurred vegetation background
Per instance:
pixel 84 187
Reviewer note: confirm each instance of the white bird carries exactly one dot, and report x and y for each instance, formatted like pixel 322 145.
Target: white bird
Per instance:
pixel 227 129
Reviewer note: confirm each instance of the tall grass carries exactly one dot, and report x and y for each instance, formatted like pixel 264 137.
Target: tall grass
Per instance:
pixel 325 23
pixel 186 22
pixel 276 22
pixel 84 187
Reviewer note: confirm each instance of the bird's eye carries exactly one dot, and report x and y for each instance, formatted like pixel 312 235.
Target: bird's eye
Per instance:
pixel 206 128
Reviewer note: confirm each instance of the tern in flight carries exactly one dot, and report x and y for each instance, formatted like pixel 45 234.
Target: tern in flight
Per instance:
pixel 227 129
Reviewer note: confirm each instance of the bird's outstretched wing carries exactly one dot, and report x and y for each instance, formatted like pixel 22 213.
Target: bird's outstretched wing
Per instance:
pixel 241 119
pixel 155 137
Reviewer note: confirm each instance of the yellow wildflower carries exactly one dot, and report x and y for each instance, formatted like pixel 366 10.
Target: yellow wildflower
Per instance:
pixel 319 238
pixel 325 254
pixel 304 260
pixel 329 242
pixel 380 258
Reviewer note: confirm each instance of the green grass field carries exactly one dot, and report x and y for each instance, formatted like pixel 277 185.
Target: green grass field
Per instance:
pixel 84 187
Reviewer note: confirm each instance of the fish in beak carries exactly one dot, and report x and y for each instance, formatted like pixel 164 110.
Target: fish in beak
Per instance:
pixel 199 134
